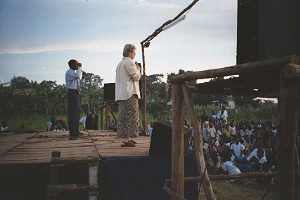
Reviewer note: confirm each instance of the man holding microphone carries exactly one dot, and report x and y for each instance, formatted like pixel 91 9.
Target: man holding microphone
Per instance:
pixel 74 78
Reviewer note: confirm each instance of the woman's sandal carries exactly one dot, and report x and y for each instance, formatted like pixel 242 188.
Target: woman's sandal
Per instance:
pixel 127 144
pixel 133 142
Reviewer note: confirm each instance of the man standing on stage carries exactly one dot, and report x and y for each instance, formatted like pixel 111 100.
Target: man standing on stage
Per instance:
pixel 74 78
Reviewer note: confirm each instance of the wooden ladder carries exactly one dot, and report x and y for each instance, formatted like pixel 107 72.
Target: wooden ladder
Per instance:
pixel 57 163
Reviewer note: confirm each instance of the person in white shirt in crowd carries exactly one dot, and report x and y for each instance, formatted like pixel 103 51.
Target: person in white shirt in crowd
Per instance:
pixel 222 114
pixel 206 132
pixel 212 132
pixel 127 93
pixel 149 129
pixel 4 127
pixel 232 126
pixel 50 125
pixel 242 131
pixel 249 130
pixel 237 150
pixel 230 168
pixel 259 124
pixel 257 159
pixel 82 121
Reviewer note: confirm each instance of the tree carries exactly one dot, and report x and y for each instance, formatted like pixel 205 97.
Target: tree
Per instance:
pixel 6 100
pixel 247 101
pixel 46 97
pixel 155 95
pixel 20 82
pixel 92 92
pixel 155 86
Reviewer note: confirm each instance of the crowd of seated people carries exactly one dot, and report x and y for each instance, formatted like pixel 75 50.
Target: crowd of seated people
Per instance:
pixel 239 147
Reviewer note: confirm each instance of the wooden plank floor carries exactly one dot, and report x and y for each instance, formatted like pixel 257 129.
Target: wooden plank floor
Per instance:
pixel 36 148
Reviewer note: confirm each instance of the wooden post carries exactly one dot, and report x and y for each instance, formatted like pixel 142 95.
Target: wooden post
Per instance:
pixel 54 171
pixel 93 175
pixel 177 140
pixel 287 135
pixel 92 187
pixel 208 190
pixel 144 97
pixel 298 155
pixel 101 116
pixel 106 115
pixel 112 113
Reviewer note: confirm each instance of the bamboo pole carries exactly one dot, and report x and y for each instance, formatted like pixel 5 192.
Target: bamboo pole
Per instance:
pixel 177 141
pixel 245 68
pixel 287 135
pixel 208 190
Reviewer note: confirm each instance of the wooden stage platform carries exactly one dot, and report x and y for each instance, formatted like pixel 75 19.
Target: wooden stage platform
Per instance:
pixel 40 165
pixel 37 148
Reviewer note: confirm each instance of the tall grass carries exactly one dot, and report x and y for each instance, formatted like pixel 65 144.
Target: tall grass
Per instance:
pixel 32 122
pixel 38 122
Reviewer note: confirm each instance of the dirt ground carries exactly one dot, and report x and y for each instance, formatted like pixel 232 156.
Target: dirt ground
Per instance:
pixel 246 189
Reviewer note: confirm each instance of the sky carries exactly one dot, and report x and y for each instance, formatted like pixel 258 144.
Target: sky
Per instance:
pixel 39 37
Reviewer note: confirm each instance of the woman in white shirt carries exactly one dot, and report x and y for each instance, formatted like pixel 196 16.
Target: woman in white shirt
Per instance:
pixel 127 94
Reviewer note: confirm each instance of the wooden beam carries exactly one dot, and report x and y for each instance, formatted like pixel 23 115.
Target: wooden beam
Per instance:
pixel 65 188
pixel 245 68
pixel 174 194
pixel 271 93
pixel 291 71
pixel 264 84
pixel 287 135
pixel 208 190
pixel 177 140
pixel 266 79
pixel 74 160
pixel 227 177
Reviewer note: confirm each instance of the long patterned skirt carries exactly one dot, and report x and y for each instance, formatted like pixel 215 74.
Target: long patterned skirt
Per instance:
pixel 128 118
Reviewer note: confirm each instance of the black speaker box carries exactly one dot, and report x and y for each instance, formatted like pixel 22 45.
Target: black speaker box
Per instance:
pixel 267 29
pixel 109 91
pixel 161 139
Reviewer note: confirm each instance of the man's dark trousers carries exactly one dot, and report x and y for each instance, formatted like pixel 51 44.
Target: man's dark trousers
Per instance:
pixel 73 98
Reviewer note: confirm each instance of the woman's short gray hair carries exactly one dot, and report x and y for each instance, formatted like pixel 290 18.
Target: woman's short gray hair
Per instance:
pixel 128 48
